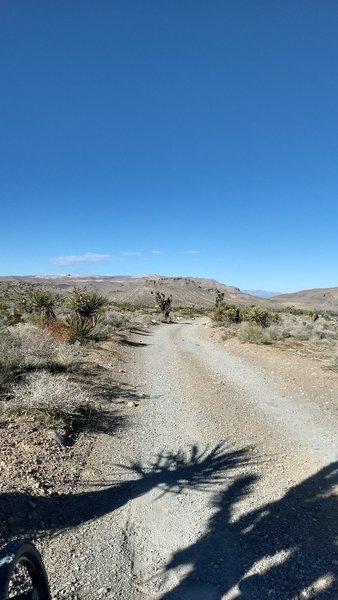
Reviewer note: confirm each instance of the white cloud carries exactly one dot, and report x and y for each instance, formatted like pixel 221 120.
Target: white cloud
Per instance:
pixel 193 251
pixel 74 259
pixel 156 251
pixel 130 253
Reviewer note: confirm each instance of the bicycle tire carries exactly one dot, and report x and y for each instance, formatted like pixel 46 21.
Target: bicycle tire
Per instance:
pixel 22 552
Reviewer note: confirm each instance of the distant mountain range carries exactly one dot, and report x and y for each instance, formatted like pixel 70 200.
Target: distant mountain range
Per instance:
pixel 261 293
pixel 138 290
pixel 186 291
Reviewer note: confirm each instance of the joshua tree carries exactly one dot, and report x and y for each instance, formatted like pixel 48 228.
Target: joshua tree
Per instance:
pixel 219 298
pixel 164 303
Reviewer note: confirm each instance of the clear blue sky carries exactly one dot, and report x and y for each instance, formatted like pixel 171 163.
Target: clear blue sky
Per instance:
pixel 174 137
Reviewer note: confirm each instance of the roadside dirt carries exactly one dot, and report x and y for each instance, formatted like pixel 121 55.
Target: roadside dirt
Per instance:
pixel 38 468
pixel 218 483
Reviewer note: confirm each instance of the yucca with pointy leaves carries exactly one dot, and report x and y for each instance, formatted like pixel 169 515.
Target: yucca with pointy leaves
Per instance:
pixel 86 309
pixel 43 303
pixel 260 316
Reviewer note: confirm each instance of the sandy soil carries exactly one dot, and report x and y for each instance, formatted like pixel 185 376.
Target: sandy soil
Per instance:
pixel 219 484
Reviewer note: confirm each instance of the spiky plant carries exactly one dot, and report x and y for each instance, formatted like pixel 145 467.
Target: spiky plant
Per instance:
pixel 260 316
pixel 87 305
pixel 86 309
pixel 42 303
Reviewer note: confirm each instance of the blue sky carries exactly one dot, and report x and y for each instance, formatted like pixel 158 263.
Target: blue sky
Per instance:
pixel 181 138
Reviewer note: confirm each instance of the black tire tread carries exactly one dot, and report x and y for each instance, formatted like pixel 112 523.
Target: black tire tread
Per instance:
pixel 14 553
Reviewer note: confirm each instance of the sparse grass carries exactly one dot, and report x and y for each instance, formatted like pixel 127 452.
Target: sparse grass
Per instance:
pixel 253 334
pixel 111 322
pixel 53 400
pixel 25 347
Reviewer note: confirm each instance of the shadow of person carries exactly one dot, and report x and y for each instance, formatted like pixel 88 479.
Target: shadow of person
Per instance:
pixel 27 515
pixel 285 550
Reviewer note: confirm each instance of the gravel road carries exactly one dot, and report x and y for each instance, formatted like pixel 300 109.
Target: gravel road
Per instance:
pixel 226 488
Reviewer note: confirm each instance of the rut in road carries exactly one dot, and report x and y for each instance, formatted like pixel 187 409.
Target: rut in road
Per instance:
pixel 228 486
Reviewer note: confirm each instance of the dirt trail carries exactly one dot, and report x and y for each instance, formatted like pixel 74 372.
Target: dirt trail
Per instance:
pixel 229 491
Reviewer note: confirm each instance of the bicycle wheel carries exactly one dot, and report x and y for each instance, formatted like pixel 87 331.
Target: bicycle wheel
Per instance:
pixel 22 573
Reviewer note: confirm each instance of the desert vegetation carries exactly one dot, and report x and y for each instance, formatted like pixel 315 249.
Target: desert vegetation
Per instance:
pixel 164 303
pixel 311 331
pixel 46 344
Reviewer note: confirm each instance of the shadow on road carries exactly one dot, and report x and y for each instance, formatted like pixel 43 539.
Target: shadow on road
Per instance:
pixel 28 516
pixel 300 530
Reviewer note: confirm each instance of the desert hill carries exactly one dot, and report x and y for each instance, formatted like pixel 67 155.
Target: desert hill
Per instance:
pixel 320 298
pixel 186 291
pixel 137 290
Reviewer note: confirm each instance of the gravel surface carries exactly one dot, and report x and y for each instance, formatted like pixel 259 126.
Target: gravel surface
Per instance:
pixel 221 486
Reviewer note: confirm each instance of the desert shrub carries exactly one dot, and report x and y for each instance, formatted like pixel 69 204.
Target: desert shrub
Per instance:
pixel 226 313
pixel 109 323
pixel 186 311
pixel 36 346
pixel 3 314
pixel 253 334
pixel 11 315
pixel 324 335
pixel 53 400
pixel 302 332
pixel 326 316
pixel 229 331
pixel 260 316
pixel 292 310
pixel 25 347
pixel 277 333
pixel 10 356
pixel 333 366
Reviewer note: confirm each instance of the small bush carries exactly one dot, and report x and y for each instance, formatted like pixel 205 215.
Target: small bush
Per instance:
pixel 25 347
pixel 302 333
pixel 36 346
pixel 111 321
pixel 230 331
pixel 277 333
pixel 10 356
pixel 252 334
pixel 226 313
pixel 53 400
